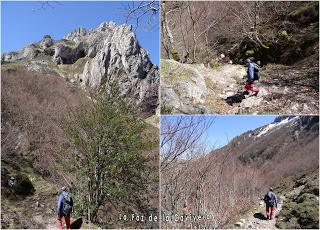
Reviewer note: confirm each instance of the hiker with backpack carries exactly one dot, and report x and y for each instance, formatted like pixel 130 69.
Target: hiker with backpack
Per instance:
pixel 64 207
pixel 271 202
pixel 250 77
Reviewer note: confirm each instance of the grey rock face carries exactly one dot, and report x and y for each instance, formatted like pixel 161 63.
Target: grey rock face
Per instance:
pixel 28 52
pixel 76 34
pixel 110 52
pixel 11 56
pixel 64 54
pixel 115 55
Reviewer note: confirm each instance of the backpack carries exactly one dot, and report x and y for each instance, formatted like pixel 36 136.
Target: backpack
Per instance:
pixel 256 70
pixel 67 204
pixel 269 200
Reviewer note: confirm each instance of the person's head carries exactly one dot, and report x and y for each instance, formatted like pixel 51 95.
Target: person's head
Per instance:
pixel 248 61
pixel 271 189
pixel 63 189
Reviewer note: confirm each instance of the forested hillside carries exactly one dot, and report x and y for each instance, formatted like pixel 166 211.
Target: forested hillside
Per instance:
pixel 212 41
pixel 226 184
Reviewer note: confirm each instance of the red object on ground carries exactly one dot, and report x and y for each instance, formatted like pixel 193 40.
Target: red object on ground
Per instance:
pixel 59 221
pixel 248 86
pixel 270 212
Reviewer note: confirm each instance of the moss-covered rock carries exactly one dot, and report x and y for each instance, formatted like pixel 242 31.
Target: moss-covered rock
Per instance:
pixel 249 53
pixel 174 54
pixel 215 63
pixel 166 109
pixel 285 35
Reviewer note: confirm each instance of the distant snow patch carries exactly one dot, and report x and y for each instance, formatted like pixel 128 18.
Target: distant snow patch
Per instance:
pixel 275 125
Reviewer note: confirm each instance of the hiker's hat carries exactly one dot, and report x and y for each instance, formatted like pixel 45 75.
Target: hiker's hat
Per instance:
pixel 271 189
pixel 63 188
pixel 248 60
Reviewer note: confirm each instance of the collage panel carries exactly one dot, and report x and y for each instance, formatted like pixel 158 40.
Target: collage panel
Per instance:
pixel 240 57
pixel 79 130
pixel 159 114
pixel 239 172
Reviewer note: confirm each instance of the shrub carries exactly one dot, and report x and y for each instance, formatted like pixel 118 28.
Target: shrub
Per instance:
pixel 249 53
pixel 174 54
pixel 108 165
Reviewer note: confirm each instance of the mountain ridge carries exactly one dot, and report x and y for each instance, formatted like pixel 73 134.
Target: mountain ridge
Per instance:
pixel 95 58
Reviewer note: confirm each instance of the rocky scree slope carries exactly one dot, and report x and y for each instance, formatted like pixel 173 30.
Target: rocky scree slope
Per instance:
pixel 93 58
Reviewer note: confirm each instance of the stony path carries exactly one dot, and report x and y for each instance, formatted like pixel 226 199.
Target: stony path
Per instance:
pixel 256 219
pixel 283 89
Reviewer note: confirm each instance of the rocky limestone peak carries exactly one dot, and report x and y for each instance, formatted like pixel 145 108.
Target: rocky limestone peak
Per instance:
pixel 96 57
pixel 79 32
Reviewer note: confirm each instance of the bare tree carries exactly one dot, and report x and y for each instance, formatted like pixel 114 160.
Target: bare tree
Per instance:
pixel 44 5
pixel 137 11
pixel 181 136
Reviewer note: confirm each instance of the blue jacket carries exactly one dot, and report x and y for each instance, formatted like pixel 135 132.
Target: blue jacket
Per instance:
pixel 273 197
pixel 60 199
pixel 250 72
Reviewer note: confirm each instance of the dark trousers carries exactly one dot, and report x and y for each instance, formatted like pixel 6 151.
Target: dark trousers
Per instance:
pixel 59 221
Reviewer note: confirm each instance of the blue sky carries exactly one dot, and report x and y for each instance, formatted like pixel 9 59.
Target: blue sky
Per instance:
pixel 225 127
pixel 24 23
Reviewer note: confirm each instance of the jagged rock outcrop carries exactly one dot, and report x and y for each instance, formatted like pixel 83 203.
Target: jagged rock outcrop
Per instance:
pixel 46 42
pixel 64 54
pixel 97 57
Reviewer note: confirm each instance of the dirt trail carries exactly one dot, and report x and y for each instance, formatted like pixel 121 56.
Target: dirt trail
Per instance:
pixel 283 89
pixel 256 219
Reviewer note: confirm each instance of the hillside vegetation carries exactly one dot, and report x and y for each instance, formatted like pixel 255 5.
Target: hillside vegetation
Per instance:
pixel 71 117
pixel 283 36
pixel 37 154
pixel 301 207
pixel 227 184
